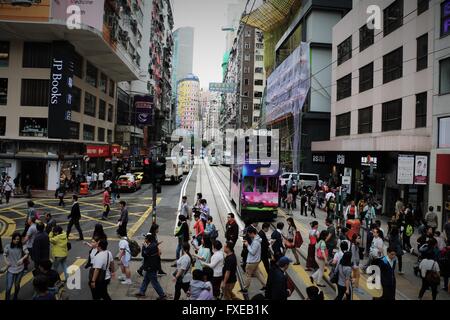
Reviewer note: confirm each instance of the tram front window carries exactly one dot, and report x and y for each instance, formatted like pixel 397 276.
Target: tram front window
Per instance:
pixel 273 185
pixel 261 185
pixel 249 183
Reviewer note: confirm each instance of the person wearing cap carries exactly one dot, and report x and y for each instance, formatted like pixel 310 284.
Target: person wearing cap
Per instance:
pixel 277 281
pixel 253 257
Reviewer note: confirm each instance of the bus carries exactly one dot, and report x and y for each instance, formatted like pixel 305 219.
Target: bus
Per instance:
pixel 254 186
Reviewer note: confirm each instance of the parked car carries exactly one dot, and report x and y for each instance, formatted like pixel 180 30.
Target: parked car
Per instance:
pixel 308 180
pixel 128 182
pixel 213 161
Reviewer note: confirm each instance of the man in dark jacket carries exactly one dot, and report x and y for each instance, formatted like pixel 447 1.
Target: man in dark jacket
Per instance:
pixel 232 229
pixel 265 246
pixel 387 274
pixel 41 245
pixel 75 216
pixel 123 220
pixel 182 234
pixel 277 281
pixel 150 253
pixel 277 239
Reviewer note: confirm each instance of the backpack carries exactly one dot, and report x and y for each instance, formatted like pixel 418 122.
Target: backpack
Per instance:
pixel 432 276
pixel 214 233
pixel 135 249
pixel 331 205
pixel 409 230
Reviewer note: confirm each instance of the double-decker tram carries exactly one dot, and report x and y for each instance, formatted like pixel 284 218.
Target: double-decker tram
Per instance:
pixel 255 179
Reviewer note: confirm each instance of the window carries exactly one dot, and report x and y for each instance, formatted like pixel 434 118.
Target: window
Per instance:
pixel 112 87
pixel 444 76
pixel 392 115
pixel 365 120
pixel 421 110
pixel 245 119
pixel 246 69
pixel 261 185
pixel 4 54
pixel 259 82
pixel 393 65
pixel 35 92
pixel 422 6
pixel 256 106
pixel 103 82
pixel 246 82
pixel 91 74
pixel 245 94
pixel 74 128
pixel 366 37
pixel 344 87
pixel 343 124
pixel 88 132
pixel 2 126
pixel 366 77
pixel 259 46
pixel 345 50
pixel 444 133
pixel 3 91
pixel 248 33
pixel 36 55
pixel 259 70
pixel 255 119
pixel 247 45
pixel 258 94
pixel 101 134
pixel 393 17
pixel 110 112
pixel 249 184
pixel 245 106
pixel 247 57
pixel 76 99
pixel 33 127
pixel 259 57
pixel 445 18
pixel 110 136
pixel 101 109
pixel 422 52
pixel 78 65
pixel 90 103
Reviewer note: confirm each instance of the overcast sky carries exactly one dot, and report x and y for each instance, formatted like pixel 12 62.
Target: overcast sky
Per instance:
pixel 206 17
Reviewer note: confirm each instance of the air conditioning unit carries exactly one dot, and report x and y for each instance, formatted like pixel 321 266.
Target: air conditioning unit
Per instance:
pixel 23 3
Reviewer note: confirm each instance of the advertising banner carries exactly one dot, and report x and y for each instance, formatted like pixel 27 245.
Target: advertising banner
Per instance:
pixel 222 87
pixel 116 149
pixel 405 169
pixel 421 170
pixel 60 100
pixel 144 110
pixel 91 11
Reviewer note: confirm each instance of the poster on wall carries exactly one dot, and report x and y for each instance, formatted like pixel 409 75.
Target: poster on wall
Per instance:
pixel 405 169
pixel 91 12
pixel 421 170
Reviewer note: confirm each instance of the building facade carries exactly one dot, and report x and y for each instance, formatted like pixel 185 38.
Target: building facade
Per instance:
pixel 382 103
pixel 188 102
pixel 28 38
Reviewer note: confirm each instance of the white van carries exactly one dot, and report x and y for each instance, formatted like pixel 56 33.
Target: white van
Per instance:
pixel 308 180
pixel 174 171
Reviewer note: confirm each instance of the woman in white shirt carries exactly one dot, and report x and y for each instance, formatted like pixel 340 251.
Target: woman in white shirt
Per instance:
pixel 103 262
pixel 429 265
pixel 216 264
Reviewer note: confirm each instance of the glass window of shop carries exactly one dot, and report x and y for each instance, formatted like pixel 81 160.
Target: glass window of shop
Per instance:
pixel 35 92
pixel 110 112
pixel 3 91
pixel 101 134
pixel 102 109
pixel 392 115
pixel 365 120
pixel 343 124
pixel 393 17
pixel 110 136
pixel 4 54
pixel 76 101
pixel 344 50
pixel 33 127
pixel 90 103
pixel 74 128
pixel 103 82
pixel 421 110
pixel 36 55
pixel 91 74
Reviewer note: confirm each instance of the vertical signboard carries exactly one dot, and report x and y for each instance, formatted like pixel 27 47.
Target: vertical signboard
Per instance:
pixel 405 169
pixel 421 170
pixel 143 106
pixel 61 82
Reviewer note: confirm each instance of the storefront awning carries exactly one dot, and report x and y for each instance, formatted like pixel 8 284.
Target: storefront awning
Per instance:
pixel 443 169
pixel 270 14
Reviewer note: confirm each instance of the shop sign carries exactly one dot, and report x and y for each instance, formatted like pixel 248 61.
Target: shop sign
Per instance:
pixel 144 110
pixel 421 170
pixel 340 159
pixel 98 151
pixel 319 158
pixel 405 169
pixel 346 180
pixel 116 149
pixel 60 97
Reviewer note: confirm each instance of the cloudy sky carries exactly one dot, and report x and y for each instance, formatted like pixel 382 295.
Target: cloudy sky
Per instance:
pixel 206 17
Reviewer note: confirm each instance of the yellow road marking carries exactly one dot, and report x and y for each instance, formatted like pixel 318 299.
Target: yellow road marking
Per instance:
pixel 141 220
pixel 29 276
pixel 11 226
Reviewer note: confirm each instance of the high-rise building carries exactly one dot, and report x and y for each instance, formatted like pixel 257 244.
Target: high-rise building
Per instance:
pixel 188 102
pixel 34 42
